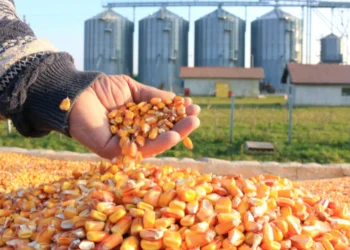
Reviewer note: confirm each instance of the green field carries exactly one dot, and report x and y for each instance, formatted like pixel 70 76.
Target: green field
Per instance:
pixel 319 134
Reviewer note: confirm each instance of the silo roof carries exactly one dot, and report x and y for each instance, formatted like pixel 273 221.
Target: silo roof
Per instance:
pixel 162 12
pixel 333 36
pixel 220 12
pixel 108 15
pixel 276 13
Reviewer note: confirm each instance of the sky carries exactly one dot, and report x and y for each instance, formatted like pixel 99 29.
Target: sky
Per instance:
pixel 62 22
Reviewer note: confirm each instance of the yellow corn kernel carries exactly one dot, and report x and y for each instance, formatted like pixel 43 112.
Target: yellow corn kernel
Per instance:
pixel 135 212
pixel 94 214
pixel 188 143
pixel 294 227
pixel 24 232
pixel 172 239
pixel 151 234
pixel 113 129
pixel 268 235
pixel 200 227
pixel 177 204
pixel 186 194
pixel 140 140
pixel 166 197
pixel 112 114
pixel 282 201
pixel 223 205
pixel 122 226
pixel 111 242
pixel 94 226
pixel 118 214
pixel 163 222
pixel 173 212
pixel 144 206
pixel 192 207
pixel 327 244
pixel 152 197
pixel 235 237
pixel 130 149
pixel 149 219
pixel 282 225
pixel 65 104
pixel 151 245
pixel 277 233
pixel 302 241
pixel 5 212
pixel 225 227
pixel 272 245
pixel 286 211
pixel 187 221
pixel 136 226
pixel 130 243
pixel 198 239
pixel 44 236
pixel 96 236
pixel 106 207
pixel 153 134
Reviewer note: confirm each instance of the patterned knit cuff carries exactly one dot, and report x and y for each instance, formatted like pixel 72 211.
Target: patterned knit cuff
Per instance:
pixel 55 79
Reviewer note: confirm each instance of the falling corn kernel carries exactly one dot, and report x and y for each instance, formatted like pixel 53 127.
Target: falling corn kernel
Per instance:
pixel 65 104
pixel 188 143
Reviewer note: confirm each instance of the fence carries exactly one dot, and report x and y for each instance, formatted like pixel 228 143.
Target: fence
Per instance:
pixel 318 134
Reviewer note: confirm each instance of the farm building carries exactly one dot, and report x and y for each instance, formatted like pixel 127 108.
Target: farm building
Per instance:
pixel 318 85
pixel 220 81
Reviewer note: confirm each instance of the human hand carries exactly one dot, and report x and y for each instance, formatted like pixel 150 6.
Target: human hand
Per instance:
pixel 89 125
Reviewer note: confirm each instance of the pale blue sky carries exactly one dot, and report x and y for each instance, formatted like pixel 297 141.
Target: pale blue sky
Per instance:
pixel 62 22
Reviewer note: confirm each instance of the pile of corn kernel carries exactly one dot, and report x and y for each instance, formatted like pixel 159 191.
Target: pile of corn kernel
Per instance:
pixel 125 205
pixel 163 208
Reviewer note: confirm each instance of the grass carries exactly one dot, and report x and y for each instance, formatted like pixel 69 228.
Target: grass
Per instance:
pixel 320 134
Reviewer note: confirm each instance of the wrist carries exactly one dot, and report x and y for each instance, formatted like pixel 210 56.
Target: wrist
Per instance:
pixel 56 80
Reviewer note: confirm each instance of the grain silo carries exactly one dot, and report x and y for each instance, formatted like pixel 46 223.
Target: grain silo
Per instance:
pixel 220 40
pixel 163 49
pixel 331 49
pixel 109 44
pixel 276 39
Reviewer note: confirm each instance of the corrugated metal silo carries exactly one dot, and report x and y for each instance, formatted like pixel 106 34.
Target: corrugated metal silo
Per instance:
pixel 331 49
pixel 163 49
pixel 276 39
pixel 109 44
pixel 220 40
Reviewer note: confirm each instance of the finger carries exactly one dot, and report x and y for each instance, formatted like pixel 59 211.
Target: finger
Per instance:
pixel 193 110
pixel 163 142
pixel 187 101
pixel 112 149
pixel 186 126
pixel 147 93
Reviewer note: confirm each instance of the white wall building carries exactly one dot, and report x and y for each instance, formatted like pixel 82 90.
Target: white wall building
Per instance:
pixel 219 81
pixel 318 85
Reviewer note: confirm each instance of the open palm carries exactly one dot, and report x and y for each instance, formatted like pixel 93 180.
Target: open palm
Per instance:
pixel 89 125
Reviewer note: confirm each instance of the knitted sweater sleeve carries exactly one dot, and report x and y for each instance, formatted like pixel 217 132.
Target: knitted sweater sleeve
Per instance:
pixel 35 78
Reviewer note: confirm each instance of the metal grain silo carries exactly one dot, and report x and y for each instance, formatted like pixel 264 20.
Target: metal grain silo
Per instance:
pixel 163 49
pixel 220 40
pixel 109 44
pixel 331 49
pixel 276 39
